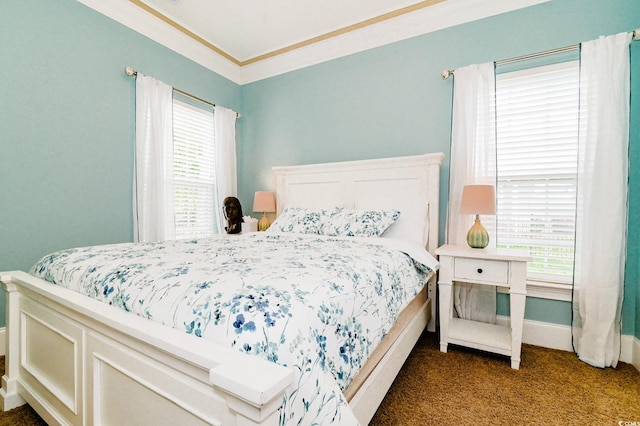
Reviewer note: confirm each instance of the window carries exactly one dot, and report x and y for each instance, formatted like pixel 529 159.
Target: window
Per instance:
pixel 537 151
pixel 194 171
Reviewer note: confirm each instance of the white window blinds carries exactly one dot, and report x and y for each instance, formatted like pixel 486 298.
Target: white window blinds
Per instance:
pixel 194 171
pixel 537 143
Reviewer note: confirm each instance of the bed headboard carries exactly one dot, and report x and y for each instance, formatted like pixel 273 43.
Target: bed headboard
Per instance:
pixel 409 184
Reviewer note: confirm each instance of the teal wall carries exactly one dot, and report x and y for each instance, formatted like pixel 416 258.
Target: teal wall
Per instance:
pixel 391 101
pixel 67 133
pixel 67 108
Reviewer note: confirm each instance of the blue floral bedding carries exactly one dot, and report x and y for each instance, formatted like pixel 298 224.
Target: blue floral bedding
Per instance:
pixel 319 305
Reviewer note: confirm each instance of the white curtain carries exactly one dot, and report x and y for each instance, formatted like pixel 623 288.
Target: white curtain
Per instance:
pixel 473 161
pixel 153 192
pixel 602 199
pixel 226 166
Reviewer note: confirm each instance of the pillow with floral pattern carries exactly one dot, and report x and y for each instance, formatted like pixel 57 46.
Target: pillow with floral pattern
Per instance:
pixel 359 222
pixel 300 220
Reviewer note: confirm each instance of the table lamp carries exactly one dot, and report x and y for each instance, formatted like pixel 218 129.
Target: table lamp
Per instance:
pixel 265 202
pixel 478 199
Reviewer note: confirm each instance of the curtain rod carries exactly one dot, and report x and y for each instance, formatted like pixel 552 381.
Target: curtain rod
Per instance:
pixel 131 72
pixel 448 73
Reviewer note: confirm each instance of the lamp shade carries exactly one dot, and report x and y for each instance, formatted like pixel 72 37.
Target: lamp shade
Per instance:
pixel 264 201
pixel 478 199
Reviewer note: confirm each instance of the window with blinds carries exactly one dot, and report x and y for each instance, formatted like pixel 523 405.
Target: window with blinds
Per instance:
pixel 194 171
pixel 537 152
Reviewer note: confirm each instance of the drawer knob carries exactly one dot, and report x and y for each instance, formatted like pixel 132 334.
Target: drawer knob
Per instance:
pixel 479 270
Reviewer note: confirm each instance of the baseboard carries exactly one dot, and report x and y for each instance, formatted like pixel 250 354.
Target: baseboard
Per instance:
pixel 634 348
pixel 556 336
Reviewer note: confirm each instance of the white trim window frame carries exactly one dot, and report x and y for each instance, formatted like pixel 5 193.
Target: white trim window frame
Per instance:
pixel 537 128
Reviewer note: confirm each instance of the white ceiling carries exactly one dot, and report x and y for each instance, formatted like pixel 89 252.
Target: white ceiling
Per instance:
pixel 249 40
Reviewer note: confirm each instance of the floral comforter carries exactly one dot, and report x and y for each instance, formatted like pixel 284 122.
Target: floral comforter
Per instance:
pixel 319 305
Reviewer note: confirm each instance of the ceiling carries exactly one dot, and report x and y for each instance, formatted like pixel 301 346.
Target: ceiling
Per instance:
pixel 249 40
pixel 250 30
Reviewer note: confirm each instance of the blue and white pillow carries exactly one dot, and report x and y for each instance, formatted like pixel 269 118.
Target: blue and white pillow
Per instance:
pixel 359 223
pixel 300 220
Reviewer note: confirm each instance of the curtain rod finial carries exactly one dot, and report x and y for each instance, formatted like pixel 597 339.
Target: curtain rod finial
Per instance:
pixel 446 74
pixel 130 71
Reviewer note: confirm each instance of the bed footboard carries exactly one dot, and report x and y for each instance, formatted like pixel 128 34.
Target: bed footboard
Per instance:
pixel 79 362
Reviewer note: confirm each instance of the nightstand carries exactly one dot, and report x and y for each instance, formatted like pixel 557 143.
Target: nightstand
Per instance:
pixel 489 266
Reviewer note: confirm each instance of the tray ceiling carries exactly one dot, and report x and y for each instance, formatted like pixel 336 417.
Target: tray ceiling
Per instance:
pixel 250 40
pixel 249 30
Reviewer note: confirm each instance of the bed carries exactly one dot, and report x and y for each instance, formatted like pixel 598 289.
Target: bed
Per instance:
pixel 78 361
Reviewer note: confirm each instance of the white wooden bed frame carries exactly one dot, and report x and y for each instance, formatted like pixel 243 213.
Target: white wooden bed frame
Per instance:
pixel 77 361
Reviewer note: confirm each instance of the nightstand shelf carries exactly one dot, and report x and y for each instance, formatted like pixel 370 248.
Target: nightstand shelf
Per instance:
pixel 479 335
pixel 493 267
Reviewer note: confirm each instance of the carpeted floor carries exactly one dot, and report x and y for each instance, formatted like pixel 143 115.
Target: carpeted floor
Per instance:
pixel 467 387
pixel 21 416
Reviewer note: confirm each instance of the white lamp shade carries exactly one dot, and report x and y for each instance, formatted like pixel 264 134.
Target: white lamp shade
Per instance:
pixel 264 201
pixel 478 199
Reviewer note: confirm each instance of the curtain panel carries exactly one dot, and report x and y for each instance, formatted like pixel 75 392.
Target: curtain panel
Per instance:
pixel 153 190
pixel 602 199
pixel 473 161
pixel 226 162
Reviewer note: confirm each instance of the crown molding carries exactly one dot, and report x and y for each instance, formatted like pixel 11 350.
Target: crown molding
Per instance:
pixel 422 21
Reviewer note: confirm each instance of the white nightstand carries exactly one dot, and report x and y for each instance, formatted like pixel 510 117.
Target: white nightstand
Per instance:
pixel 494 267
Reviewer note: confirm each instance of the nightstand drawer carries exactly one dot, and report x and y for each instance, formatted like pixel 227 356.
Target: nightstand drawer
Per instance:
pixel 495 271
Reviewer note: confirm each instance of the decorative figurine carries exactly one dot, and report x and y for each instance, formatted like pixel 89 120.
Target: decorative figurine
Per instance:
pixel 233 214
